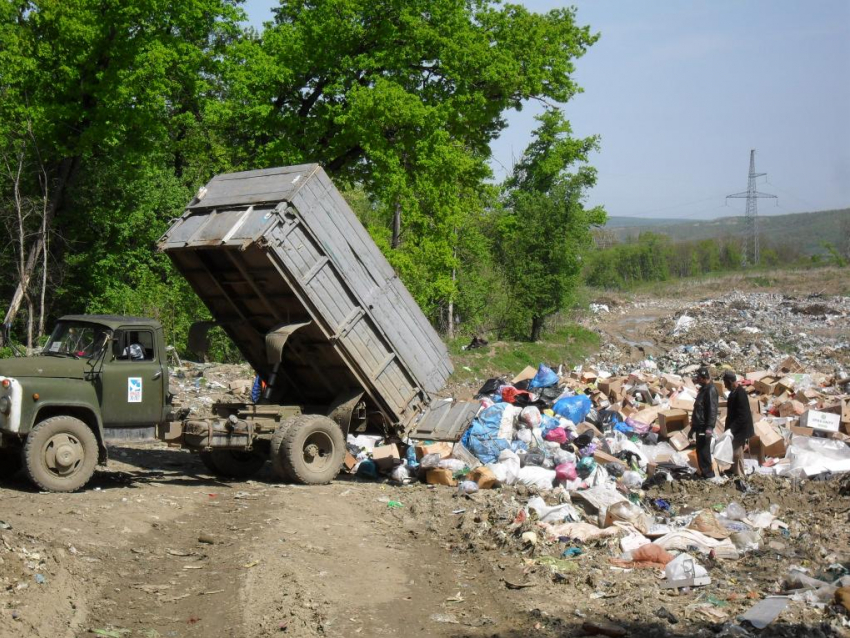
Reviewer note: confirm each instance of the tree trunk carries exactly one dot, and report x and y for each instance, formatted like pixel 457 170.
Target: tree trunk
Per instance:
pixel 396 226
pixel 451 317
pixel 66 168
pixel 536 328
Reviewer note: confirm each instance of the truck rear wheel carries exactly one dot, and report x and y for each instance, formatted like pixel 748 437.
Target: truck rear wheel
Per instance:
pixel 10 463
pixel 312 450
pixel 232 463
pixel 60 454
pixel 281 468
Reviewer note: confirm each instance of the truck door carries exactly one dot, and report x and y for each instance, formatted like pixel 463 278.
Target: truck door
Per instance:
pixel 133 381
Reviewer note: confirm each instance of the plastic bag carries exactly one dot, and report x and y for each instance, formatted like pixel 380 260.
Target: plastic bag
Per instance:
pixel 454 465
pixel 534 457
pixel 565 472
pixel 721 448
pixel 548 423
pixel 563 456
pixel 625 512
pixel 544 378
pixel 539 477
pixel 467 487
pixel 554 514
pixel 482 436
pixel 632 480
pixel 574 408
pixel 651 553
pixel 430 461
pixel 530 417
pixel 735 512
pixel 684 566
pixel 556 435
pixel 510 462
pixel 586 466
pixel 401 473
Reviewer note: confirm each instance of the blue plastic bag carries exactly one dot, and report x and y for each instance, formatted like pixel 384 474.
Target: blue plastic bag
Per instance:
pixel 574 408
pixel 482 436
pixel 548 423
pixel 544 378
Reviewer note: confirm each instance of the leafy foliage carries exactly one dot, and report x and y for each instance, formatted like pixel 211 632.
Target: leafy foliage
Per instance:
pixel 132 106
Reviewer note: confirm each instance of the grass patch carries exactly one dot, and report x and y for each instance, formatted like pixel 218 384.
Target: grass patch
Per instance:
pixel 569 345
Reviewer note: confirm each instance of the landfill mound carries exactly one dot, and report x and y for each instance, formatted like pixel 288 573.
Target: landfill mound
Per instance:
pixel 601 492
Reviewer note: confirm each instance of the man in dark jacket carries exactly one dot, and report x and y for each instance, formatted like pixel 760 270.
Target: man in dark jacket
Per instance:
pixel 703 419
pixel 739 420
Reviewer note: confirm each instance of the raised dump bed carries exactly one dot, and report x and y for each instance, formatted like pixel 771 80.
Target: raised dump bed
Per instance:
pixel 288 271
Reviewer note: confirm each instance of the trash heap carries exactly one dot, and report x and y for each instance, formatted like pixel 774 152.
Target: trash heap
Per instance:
pixel 746 330
pixel 591 429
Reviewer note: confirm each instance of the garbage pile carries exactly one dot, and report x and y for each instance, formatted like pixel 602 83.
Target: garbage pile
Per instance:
pixel 743 330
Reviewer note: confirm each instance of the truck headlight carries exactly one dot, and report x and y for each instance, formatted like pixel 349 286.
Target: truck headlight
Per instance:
pixel 5 405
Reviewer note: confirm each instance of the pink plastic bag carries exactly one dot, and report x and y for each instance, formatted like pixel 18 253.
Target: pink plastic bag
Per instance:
pixel 566 472
pixel 556 435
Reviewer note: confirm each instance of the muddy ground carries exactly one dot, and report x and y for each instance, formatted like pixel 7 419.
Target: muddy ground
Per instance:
pixel 157 547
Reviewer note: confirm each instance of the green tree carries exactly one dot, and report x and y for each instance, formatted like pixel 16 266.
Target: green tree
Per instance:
pixel 402 97
pixel 545 229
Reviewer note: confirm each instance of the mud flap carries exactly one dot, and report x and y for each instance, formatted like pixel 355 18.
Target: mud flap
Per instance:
pixel 445 420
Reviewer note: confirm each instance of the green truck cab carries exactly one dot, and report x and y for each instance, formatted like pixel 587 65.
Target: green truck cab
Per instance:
pixel 94 372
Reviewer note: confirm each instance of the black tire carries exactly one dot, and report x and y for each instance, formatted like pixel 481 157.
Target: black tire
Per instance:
pixel 10 463
pixel 207 460
pixel 313 450
pixel 60 454
pixel 281 468
pixel 234 463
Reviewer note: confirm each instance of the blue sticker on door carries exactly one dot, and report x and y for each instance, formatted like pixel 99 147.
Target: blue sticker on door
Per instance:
pixel 134 389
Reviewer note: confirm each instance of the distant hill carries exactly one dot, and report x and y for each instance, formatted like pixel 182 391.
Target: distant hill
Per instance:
pixel 640 222
pixel 808 231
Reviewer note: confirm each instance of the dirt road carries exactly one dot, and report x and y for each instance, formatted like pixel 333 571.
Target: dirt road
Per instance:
pixel 148 550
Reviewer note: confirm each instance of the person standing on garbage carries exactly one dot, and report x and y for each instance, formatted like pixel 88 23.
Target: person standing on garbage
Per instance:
pixel 703 419
pixel 739 420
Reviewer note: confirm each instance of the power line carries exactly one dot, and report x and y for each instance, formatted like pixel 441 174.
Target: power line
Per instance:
pixel 751 241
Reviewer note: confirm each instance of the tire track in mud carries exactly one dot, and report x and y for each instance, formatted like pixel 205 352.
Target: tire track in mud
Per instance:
pixel 173 582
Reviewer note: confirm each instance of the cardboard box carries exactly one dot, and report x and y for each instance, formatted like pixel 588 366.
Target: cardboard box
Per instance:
pixel 682 403
pixel 584 426
pixel 604 458
pixel 820 420
pixel 679 440
pixel 440 476
pixel 755 376
pixel 785 384
pixel 791 408
pixel 646 415
pixel 526 375
pixel 673 381
pixel 442 448
pixel 765 385
pixel 771 441
pixel 484 477
pixel 790 366
pixel 349 462
pixel 755 408
pixel 385 456
pixel 670 421
pixel 612 384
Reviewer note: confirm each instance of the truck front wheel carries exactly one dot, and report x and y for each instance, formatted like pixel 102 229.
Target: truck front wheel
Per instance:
pixel 10 463
pixel 312 450
pixel 60 454
pixel 232 463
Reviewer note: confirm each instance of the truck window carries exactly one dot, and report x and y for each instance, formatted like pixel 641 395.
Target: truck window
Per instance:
pixel 134 345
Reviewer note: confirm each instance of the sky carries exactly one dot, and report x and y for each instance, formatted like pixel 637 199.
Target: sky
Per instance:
pixel 679 91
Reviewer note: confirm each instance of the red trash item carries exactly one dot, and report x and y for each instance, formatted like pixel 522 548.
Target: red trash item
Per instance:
pixel 510 393
pixel 556 435
pixel 566 472
pixel 651 553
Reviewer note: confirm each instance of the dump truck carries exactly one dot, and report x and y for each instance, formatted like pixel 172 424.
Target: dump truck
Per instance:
pixel 291 276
